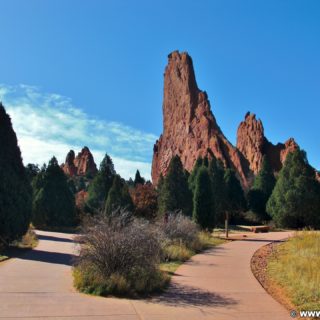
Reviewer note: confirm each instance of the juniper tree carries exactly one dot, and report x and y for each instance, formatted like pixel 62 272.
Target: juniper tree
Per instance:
pixel 138 179
pixel 261 191
pixel 15 188
pixel 118 197
pixel 174 194
pixel 53 201
pixel 295 200
pixel 203 200
pixel 99 188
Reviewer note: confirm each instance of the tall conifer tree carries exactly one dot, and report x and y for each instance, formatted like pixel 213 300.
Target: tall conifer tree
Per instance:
pixel 295 200
pixel 53 201
pixel 15 189
pixel 174 194
pixel 99 188
pixel 203 200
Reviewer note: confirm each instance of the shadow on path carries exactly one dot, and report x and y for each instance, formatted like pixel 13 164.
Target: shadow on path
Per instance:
pixel 182 295
pixel 52 238
pixel 49 257
pixel 262 240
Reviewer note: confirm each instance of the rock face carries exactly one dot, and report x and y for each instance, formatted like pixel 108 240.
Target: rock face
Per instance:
pixel 190 130
pixel 81 165
pixel 250 141
pixel 253 144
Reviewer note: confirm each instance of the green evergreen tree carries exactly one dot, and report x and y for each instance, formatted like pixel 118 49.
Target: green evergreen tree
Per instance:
pixel 15 188
pixel 295 201
pixel 206 161
pixel 203 200
pixel 160 183
pixel 53 201
pixel 174 194
pixel 216 171
pixel 118 197
pixel 32 170
pixel 99 188
pixel 130 183
pixel 235 200
pixel 265 180
pixel 261 190
pixel 138 179
pixel 192 177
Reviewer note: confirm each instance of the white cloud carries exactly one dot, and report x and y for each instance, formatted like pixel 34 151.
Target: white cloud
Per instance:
pixel 49 124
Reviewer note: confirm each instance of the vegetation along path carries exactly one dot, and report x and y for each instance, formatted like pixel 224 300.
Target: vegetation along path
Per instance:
pixel 217 284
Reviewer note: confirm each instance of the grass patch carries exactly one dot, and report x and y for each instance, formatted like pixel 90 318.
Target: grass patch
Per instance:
pixel 295 267
pixel 3 257
pixel 90 281
pixel 28 241
pixel 170 267
pixel 176 254
pixel 207 240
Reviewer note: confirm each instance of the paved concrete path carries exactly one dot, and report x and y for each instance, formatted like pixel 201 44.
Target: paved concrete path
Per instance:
pixel 217 284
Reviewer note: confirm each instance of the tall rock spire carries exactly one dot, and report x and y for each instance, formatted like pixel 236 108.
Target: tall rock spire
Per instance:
pixel 190 129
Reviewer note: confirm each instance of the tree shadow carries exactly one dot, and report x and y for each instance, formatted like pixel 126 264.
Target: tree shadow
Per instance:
pixel 262 240
pixel 49 257
pixel 52 238
pixel 182 295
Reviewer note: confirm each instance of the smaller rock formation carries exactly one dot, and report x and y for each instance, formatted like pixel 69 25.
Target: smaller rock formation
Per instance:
pixel 81 165
pixel 251 140
pixel 253 144
pixel 69 168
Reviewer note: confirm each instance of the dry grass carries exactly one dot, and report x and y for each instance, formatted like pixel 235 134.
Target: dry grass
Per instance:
pixel 3 257
pixel 91 281
pixel 207 240
pixel 295 267
pixel 170 267
pixel 28 241
pixel 176 254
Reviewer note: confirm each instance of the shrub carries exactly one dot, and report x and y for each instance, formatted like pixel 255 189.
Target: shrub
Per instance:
pixel 145 200
pixel 178 229
pixel 119 254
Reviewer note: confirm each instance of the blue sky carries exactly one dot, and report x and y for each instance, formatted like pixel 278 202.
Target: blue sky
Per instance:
pixel 76 73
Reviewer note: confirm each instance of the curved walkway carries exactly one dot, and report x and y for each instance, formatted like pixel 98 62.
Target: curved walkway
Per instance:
pixel 217 284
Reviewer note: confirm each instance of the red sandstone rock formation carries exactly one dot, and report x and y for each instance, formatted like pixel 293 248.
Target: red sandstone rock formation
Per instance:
pixel 189 129
pixel 252 143
pixel 80 165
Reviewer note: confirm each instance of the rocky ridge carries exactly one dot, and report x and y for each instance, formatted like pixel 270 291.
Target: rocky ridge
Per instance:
pixel 81 165
pixel 253 144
